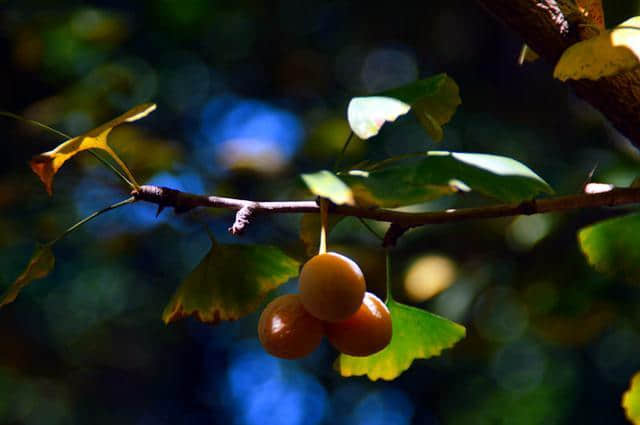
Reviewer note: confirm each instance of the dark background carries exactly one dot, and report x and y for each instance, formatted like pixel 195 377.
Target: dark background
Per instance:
pixel 249 95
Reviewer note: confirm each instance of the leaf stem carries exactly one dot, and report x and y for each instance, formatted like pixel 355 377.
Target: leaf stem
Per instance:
pixel 92 216
pixel 323 225
pixel 370 229
pixel 340 157
pixel 389 298
pixel 66 136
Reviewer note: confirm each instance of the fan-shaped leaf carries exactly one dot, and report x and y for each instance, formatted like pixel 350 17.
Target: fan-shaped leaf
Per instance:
pixel 366 115
pixel 417 334
pixel 327 185
pixel 609 53
pixel 230 282
pixel 434 101
pixel 440 173
pixel 47 164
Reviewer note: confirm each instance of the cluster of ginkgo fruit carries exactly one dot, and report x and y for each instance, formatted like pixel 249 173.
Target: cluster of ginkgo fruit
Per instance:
pixel 332 301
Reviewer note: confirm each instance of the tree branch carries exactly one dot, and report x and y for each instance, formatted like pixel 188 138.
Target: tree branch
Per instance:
pixel 548 32
pixel 402 221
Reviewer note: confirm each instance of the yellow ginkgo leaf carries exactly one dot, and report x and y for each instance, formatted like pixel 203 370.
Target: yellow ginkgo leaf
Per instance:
pixel 609 53
pixel 47 164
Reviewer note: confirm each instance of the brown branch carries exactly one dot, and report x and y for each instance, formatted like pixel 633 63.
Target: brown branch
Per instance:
pixel 183 201
pixel 548 32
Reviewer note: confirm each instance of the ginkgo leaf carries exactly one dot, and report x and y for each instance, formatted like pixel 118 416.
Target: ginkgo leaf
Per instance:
pixel 417 334
pixel 366 115
pixel 40 265
pixel 434 101
pixel 230 282
pixel 327 185
pixel 612 246
pixel 631 400
pixel 310 230
pixel 439 173
pixel 47 164
pixel 609 53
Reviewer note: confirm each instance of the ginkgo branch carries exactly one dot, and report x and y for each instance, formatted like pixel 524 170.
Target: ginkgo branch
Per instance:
pixel 401 221
pixel 544 28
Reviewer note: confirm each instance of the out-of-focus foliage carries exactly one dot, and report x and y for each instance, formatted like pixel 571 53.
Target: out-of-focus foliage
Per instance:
pixel 40 265
pixel 631 400
pixel 612 246
pixel 417 334
pixel 230 282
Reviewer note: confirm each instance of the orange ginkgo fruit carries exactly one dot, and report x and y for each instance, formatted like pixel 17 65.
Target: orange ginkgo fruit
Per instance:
pixel 364 333
pixel 331 286
pixel 286 330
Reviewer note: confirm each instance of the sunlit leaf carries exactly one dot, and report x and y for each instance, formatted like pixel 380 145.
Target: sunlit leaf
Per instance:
pixel 40 265
pixel 631 400
pixel 310 230
pixel 230 282
pixel 609 53
pixel 327 185
pixel 366 115
pixel 434 101
pixel 439 173
pixel 417 334
pixel 613 246
pixel 47 164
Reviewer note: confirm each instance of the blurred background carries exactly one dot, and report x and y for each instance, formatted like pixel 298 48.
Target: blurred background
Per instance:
pixel 250 94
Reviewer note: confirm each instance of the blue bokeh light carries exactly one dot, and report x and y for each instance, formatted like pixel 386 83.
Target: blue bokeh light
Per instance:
pixel 382 407
pixel 247 133
pixel 141 216
pixel 263 391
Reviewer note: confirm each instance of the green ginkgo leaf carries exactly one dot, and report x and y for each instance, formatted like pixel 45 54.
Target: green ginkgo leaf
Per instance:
pixel 327 185
pixel 230 282
pixel 434 101
pixel 631 400
pixel 440 173
pixel 417 334
pixel 612 246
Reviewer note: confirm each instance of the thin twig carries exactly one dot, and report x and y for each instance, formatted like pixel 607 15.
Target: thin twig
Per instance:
pixel 336 165
pixel 183 201
pixel 92 216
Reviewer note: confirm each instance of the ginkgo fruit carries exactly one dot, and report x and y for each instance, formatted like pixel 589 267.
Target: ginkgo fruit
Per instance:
pixel 364 333
pixel 287 330
pixel 331 286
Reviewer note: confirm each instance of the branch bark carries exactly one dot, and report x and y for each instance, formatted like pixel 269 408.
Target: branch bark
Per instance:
pixel 548 32
pixel 183 201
